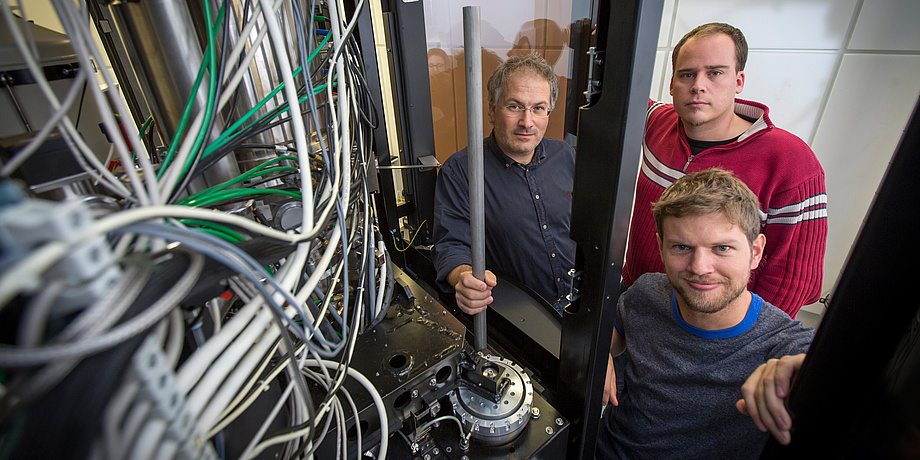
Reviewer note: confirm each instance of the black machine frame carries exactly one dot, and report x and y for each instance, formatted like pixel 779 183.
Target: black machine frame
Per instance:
pixel 605 172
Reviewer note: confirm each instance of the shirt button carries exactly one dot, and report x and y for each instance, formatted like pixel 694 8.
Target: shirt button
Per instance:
pixel 544 226
pixel 558 279
pixel 554 255
pixel 537 196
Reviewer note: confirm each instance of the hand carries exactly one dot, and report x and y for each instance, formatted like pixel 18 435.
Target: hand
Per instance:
pixel 473 295
pixel 765 393
pixel 610 385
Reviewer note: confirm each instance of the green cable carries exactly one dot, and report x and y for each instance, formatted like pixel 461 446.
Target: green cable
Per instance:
pixel 219 234
pixel 140 135
pixel 258 170
pixel 218 144
pixel 187 112
pixel 230 234
pixel 220 140
pixel 219 188
pixel 212 91
pixel 239 193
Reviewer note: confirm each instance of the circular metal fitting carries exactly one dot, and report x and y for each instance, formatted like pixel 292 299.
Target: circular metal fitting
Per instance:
pixel 496 423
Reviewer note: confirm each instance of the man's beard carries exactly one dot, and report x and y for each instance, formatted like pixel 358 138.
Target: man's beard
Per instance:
pixel 704 302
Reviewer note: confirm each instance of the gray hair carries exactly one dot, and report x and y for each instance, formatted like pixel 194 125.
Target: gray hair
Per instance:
pixel 529 63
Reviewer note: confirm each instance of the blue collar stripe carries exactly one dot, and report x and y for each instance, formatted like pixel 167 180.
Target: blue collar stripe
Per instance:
pixel 749 319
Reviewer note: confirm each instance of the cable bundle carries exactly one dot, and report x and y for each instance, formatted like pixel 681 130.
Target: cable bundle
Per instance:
pixel 144 362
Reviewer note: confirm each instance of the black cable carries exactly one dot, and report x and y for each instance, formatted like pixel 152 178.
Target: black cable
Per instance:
pixel 80 107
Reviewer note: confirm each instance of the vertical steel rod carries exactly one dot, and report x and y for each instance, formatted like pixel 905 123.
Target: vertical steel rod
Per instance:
pixel 473 57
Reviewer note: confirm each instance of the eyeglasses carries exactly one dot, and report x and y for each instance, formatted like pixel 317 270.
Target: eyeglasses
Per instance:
pixel 516 110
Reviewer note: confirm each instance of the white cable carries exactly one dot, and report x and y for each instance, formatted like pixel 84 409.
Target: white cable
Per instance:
pixel 224 365
pixel 176 338
pixel 26 274
pixel 213 307
pixel 114 416
pixel 73 138
pixel 233 384
pixel 35 317
pixel 381 289
pixel 170 180
pixel 133 424
pixel 375 395
pixel 196 364
pixel 290 91
pixel 81 39
pixel 18 356
pixel 250 452
pixel 147 440
pixel 239 405
pixel 26 152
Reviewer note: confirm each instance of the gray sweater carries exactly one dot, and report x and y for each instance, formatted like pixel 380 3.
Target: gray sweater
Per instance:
pixel 681 383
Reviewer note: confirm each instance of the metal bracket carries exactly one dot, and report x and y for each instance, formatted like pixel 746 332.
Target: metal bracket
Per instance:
pixel 594 74
pixel 575 286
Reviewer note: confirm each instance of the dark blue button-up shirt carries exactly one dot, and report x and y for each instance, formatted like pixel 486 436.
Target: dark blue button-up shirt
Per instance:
pixel 528 211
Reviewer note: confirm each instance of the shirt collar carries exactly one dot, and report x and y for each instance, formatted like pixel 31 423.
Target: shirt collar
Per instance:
pixel 539 153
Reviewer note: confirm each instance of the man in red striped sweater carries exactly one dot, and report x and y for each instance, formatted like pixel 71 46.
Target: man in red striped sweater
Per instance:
pixel 707 127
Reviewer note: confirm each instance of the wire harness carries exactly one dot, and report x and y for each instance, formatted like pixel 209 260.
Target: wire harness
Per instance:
pixel 104 298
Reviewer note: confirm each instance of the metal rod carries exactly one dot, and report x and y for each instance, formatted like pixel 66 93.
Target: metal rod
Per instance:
pixel 409 167
pixel 473 56
pixel 8 83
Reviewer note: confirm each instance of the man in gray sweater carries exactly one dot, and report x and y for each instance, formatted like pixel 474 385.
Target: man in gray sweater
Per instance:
pixel 693 336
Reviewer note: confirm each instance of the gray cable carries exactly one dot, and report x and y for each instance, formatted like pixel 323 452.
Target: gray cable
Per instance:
pixel 24 357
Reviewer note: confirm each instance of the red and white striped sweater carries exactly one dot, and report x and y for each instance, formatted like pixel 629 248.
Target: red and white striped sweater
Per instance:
pixel 776 165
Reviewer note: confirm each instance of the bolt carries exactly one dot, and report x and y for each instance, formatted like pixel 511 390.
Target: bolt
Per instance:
pixel 414 447
pixel 435 451
pixel 427 457
pixel 549 430
pixel 559 421
pixel 433 382
pixel 414 394
pixel 535 413
pixel 465 444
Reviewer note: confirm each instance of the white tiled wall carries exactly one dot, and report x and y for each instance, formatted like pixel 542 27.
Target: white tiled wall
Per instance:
pixel 844 75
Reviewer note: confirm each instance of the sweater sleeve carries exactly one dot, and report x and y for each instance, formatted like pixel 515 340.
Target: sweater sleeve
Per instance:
pixel 791 272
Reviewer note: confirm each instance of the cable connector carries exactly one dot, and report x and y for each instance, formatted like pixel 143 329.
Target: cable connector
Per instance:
pixel 157 387
pixel 88 270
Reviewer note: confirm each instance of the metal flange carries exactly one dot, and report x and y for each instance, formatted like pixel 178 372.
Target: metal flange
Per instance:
pixel 495 423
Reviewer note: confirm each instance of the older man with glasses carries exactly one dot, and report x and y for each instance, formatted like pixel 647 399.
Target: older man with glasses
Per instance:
pixel 528 194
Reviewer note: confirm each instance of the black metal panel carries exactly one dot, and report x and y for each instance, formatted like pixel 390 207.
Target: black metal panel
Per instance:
pixel 580 39
pixel 413 95
pixel 543 438
pixel 416 343
pixel 386 200
pixel 842 383
pixel 609 140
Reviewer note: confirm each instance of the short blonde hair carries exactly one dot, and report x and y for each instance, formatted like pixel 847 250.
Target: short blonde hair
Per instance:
pixel 708 192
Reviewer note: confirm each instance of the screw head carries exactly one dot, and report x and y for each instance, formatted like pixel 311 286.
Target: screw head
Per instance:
pixel 535 413
pixel 549 430
pixel 559 421
pixel 433 382
pixel 414 394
